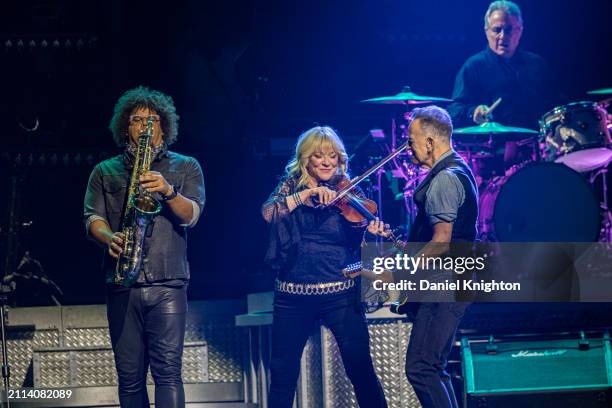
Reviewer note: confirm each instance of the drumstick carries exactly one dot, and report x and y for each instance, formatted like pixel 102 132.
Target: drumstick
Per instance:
pixel 492 107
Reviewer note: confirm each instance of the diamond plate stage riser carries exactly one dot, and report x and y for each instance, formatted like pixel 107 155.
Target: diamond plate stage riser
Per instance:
pixel 85 327
pixel 388 344
pixel 87 337
pixel 323 382
pixel 20 346
pixel 310 385
pixel 226 347
pixel 88 368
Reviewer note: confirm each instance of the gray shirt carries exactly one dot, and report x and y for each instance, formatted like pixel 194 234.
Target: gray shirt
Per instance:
pixel 445 195
pixel 166 246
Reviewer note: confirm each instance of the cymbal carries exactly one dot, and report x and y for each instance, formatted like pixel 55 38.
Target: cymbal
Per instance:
pixel 407 97
pixel 605 91
pixel 489 128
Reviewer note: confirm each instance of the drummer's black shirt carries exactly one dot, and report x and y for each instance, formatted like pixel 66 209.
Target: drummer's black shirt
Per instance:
pixel 525 83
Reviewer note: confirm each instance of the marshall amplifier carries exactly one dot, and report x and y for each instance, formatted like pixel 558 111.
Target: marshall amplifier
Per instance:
pixel 561 372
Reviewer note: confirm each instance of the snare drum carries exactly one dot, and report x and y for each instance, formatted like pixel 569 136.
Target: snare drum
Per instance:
pixel 577 136
pixel 541 202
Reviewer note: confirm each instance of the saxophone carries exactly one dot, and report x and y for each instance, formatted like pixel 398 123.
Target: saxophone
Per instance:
pixel 140 210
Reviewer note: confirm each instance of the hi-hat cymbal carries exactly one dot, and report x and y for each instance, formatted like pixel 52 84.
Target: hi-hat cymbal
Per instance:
pixel 604 91
pixel 407 97
pixel 489 128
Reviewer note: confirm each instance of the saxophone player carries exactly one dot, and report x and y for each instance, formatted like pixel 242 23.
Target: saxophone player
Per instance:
pixel 146 315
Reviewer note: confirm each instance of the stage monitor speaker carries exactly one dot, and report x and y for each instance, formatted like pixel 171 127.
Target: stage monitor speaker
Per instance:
pixel 521 372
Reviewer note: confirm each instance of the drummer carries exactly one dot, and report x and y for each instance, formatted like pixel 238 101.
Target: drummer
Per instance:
pixel 522 79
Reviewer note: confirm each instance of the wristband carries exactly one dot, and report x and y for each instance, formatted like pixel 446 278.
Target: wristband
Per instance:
pixel 172 195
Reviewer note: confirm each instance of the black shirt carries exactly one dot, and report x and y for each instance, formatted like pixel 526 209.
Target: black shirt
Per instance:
pixel 524 82
pixel 309 245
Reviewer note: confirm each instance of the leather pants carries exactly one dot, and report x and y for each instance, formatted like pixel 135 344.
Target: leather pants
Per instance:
pixel 147 328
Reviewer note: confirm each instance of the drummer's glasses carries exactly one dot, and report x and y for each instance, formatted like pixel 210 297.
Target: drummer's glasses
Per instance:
pixel 507 30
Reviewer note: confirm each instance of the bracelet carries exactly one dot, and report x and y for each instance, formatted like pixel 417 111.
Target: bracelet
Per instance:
pixel 171 196
pixel 297 199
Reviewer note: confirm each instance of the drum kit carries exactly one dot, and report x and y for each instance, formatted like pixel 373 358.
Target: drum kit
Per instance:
pixel 546 185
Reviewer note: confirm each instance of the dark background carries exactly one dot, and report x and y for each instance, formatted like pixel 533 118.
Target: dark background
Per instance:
pixel 247 78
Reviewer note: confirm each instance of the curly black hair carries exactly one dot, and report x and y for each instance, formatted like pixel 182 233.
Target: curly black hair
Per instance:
pixel 143 97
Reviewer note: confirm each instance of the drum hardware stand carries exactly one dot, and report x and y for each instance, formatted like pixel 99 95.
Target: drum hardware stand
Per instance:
pixel 379 175
pixel 373 134
pixel 409 174
pixel 398 167
pixel 15 225
pixel 409 204
pixel 41 276
pixel 360 143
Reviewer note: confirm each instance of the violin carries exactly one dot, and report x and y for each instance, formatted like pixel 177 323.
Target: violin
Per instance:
pixel 357 210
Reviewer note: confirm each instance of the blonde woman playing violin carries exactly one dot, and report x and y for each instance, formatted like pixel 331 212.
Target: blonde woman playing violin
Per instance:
pixel 309 246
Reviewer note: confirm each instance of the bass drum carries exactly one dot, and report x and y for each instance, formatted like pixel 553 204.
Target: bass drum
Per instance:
pixel 542 202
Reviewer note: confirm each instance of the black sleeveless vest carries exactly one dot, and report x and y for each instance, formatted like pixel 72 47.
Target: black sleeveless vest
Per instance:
pixel 464 227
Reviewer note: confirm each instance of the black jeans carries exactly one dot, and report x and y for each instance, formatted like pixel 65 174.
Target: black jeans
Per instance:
pixel 295 317
pixel 147 327
pixel 431 339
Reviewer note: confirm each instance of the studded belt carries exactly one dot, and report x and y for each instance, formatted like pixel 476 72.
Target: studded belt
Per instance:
pixel 314 288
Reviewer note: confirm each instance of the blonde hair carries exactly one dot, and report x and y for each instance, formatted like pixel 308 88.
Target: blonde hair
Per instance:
pixel 311 141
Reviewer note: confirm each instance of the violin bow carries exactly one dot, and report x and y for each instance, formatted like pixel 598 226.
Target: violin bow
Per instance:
pixel 354 182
